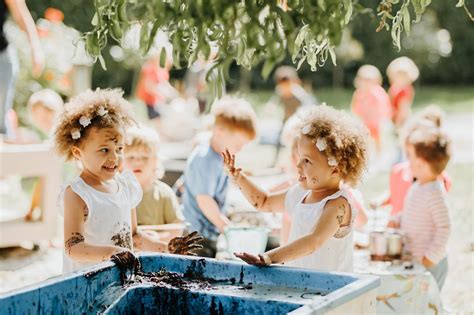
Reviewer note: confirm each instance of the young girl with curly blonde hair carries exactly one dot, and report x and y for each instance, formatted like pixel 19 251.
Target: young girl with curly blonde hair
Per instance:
pixel 332 155
pixel 99 205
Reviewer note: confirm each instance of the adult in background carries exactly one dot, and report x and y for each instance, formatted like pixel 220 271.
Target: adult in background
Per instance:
pixel 154 88
pixel 9 60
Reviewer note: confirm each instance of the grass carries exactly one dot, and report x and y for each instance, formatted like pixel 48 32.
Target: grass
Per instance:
pixel 451 99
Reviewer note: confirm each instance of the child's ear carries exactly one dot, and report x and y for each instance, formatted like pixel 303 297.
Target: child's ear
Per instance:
pixel 76 152
pixel 335 171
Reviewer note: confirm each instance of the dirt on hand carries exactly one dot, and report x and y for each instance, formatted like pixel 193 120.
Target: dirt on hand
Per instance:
pixel 125 261
pixel 185 245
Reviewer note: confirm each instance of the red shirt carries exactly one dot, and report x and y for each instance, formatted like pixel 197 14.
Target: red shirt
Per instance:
pixel 151 75
pixel 400 94
pixel 401 180
pixel 372 105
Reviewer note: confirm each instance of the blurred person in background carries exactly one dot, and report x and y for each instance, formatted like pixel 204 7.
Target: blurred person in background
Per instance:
pixel 289 93
pixel 154 88
pixel 371 103
pixel 9 60
pixel 402 73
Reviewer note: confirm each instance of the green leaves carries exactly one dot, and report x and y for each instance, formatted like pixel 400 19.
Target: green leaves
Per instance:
pixel 402 19
pixel 247 32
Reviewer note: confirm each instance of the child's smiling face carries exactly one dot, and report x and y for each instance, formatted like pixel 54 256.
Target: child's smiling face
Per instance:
pixel 101 154
pixel 313 168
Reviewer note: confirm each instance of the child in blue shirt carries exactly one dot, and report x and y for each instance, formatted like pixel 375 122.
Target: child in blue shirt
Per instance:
pixel 205 180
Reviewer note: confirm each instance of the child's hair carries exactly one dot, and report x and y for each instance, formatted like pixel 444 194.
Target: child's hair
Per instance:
pixel 286 73
pixel 432 113
pixel 340 137
pixel 100 108
pixel 236 114
pixel 430 116
pixel 47 98
pixel 140 136
pixel 368 72
pixel 144 137
pixel 405 65
pixel 433 146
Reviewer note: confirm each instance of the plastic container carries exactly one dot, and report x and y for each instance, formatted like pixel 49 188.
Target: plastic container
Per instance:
pixel 252 240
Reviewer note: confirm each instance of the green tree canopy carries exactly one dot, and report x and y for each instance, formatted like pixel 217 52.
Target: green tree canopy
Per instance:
pixel 248 32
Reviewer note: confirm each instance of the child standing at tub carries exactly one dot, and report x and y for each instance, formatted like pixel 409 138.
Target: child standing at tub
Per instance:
pixel 401 177
pixel 290 138
pixel 332 149
pixel 99 205
pixel 159 205
pixel 205 180
pixel 425 216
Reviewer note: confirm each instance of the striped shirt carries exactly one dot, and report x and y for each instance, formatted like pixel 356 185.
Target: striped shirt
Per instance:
pixel 425 221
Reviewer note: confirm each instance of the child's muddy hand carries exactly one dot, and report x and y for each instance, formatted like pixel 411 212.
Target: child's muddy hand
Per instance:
pixel 252 259
pixel 126 260
pixel 229 164
pixel 185 245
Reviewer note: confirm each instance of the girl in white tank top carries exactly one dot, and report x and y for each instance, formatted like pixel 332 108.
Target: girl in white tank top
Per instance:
pixel 332 154
pixel 109 218
pixel 336 252
pixel 99 205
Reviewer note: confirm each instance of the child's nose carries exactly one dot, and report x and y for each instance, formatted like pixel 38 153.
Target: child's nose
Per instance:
pixel 298 164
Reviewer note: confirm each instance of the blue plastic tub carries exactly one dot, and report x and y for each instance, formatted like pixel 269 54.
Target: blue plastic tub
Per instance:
pixel 232 288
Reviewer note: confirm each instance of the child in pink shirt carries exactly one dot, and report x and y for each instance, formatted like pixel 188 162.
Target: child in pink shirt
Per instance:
pixel 370 102
pixel 425 217
pixel 401 177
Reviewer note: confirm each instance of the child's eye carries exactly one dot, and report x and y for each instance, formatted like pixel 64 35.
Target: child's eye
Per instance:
pixel 105 150
pixel 306 161
pixel 120 149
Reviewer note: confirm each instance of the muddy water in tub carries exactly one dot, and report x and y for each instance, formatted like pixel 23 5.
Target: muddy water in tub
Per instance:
pixel 230 287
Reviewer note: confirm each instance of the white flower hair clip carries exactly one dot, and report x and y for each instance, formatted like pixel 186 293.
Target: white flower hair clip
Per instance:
pixel 332 161
pixel 84 121
pixel 75 134
pixel 102 111
pixel 321 144
pixel 306 129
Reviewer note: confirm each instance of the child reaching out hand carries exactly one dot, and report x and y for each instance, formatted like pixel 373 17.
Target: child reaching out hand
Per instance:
pixel 332 151
pixel 99 205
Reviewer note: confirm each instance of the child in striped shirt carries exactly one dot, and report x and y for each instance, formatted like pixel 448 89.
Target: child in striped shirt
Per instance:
pixel 425 217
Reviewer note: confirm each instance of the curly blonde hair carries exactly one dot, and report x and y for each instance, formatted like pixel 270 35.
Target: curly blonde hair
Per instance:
pixel 236 114
pixel 344 138
pixel 100 108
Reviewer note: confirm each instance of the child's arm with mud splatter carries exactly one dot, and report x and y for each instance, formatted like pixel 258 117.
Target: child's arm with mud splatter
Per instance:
pixel 260 199
pixel 336 214
pixel 75 245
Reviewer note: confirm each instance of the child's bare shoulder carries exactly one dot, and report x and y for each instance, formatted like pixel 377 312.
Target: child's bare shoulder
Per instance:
pixel 72 199
pixel 340 203
pixel 340 209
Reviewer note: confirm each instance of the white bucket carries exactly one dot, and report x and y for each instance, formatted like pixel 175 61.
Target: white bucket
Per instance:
pixel 252 240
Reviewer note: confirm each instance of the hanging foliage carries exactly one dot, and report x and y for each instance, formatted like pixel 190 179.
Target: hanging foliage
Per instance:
pixel 248 31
